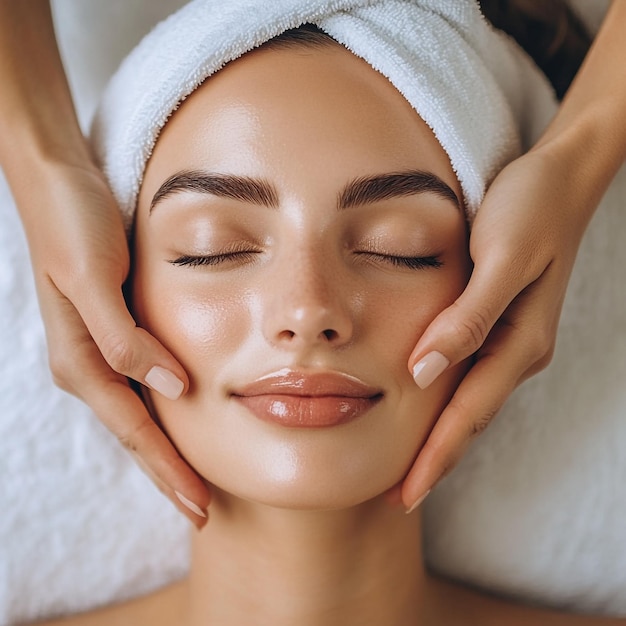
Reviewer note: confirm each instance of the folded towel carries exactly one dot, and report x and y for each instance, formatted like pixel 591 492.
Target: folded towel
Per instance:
pixel 479 93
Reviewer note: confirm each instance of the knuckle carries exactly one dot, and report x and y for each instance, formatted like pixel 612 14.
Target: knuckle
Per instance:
pixel 128 442
pixel 60 366
pixel 472 329
pixel 540 363
pixel 479 425
pixel 546 359
pixel 540 348
pixel 475 425
pixel 447 468
pixel 62 383
pixel 118 354
pixel 129 439
pixel 72 276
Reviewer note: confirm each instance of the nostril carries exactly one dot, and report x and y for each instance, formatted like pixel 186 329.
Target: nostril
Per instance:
pixel 330 334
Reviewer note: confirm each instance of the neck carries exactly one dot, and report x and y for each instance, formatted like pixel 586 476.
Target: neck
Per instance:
pixel 254 564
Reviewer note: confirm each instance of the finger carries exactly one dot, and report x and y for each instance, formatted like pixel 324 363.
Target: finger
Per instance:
pixel 128 349
pixel 462 328
pixel 78 367
pixel 185 506
pixel 479 397
pixel 73 351
pixel 124 413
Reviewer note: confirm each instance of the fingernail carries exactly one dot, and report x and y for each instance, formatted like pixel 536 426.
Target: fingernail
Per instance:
pixel 417 502
pixel 429 368
pixel 192 506
pixel 166 383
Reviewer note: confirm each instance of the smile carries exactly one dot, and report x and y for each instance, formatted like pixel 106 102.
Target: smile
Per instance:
pixel 308 400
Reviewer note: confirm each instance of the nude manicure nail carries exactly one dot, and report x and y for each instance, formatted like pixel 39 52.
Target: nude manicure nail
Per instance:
pixel 192 506
pixel 417 502
pixel 166 383
pixel 429 368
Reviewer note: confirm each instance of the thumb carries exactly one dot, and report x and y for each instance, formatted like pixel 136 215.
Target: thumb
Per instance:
pixel 462 328
pixel 128 349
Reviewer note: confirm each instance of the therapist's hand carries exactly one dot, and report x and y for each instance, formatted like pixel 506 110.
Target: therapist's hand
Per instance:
pixel 80 255
pixel 80 260
pixel 523 243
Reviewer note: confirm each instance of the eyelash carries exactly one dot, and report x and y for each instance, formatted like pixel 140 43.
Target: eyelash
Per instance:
pixel 244 256
pixel 214 259
pixel 410 262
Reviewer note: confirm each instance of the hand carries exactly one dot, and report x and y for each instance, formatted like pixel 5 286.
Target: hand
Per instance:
pixel 523 243
pixel 80 254
pixel 80 260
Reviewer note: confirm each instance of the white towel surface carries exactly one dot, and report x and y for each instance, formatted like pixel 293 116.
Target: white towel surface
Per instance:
pixel 477 91
pixel 536 509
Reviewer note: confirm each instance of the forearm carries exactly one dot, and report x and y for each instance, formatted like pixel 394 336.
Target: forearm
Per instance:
pixel 37 118
pixel 590 128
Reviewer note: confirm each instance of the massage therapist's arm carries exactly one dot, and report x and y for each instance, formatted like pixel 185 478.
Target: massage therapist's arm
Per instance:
pixel 79 251
pixel 523 243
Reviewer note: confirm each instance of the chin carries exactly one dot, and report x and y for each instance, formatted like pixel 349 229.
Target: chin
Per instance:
pixel 296 497
pixel 312 480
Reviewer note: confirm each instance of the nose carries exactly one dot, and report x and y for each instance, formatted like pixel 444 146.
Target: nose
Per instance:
pixel 308 304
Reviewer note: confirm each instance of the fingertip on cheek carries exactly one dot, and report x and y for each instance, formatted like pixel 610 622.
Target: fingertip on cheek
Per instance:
pixel 164 382
pixel 429 368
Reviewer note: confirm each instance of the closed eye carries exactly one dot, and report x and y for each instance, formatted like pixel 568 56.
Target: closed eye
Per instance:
pixel 239 257
pixel 410 262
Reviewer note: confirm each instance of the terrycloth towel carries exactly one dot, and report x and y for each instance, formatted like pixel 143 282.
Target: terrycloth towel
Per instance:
pixel 478 92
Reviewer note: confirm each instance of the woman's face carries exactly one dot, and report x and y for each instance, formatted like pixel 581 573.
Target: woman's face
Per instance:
pixel 293 272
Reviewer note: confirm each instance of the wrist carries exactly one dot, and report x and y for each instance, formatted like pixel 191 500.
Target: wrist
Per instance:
pixel 40 177
pixel 599 125
pixel 33 141
pixel 592 117
pixel 587 151
pixel 38 124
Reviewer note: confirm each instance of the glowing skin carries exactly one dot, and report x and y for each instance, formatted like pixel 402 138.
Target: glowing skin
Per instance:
pixel 307 288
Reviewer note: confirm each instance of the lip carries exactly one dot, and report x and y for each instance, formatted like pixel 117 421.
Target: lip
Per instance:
pixel 299 399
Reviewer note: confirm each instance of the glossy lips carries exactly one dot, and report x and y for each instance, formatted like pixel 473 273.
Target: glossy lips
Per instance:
pixel 308 400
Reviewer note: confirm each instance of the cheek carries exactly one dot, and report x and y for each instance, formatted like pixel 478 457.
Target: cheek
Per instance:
pixel 405 322
pixel 202 327
pixel 413 309
pixel 410 305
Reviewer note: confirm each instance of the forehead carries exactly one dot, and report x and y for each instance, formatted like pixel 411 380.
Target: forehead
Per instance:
pixel 280 113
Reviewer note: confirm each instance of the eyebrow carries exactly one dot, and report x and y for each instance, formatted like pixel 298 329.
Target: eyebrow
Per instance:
pixel 358 192
pixel 370 189
pixel 244 188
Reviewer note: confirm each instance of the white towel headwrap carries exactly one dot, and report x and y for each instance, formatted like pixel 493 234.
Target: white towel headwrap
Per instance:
pixel 480 94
